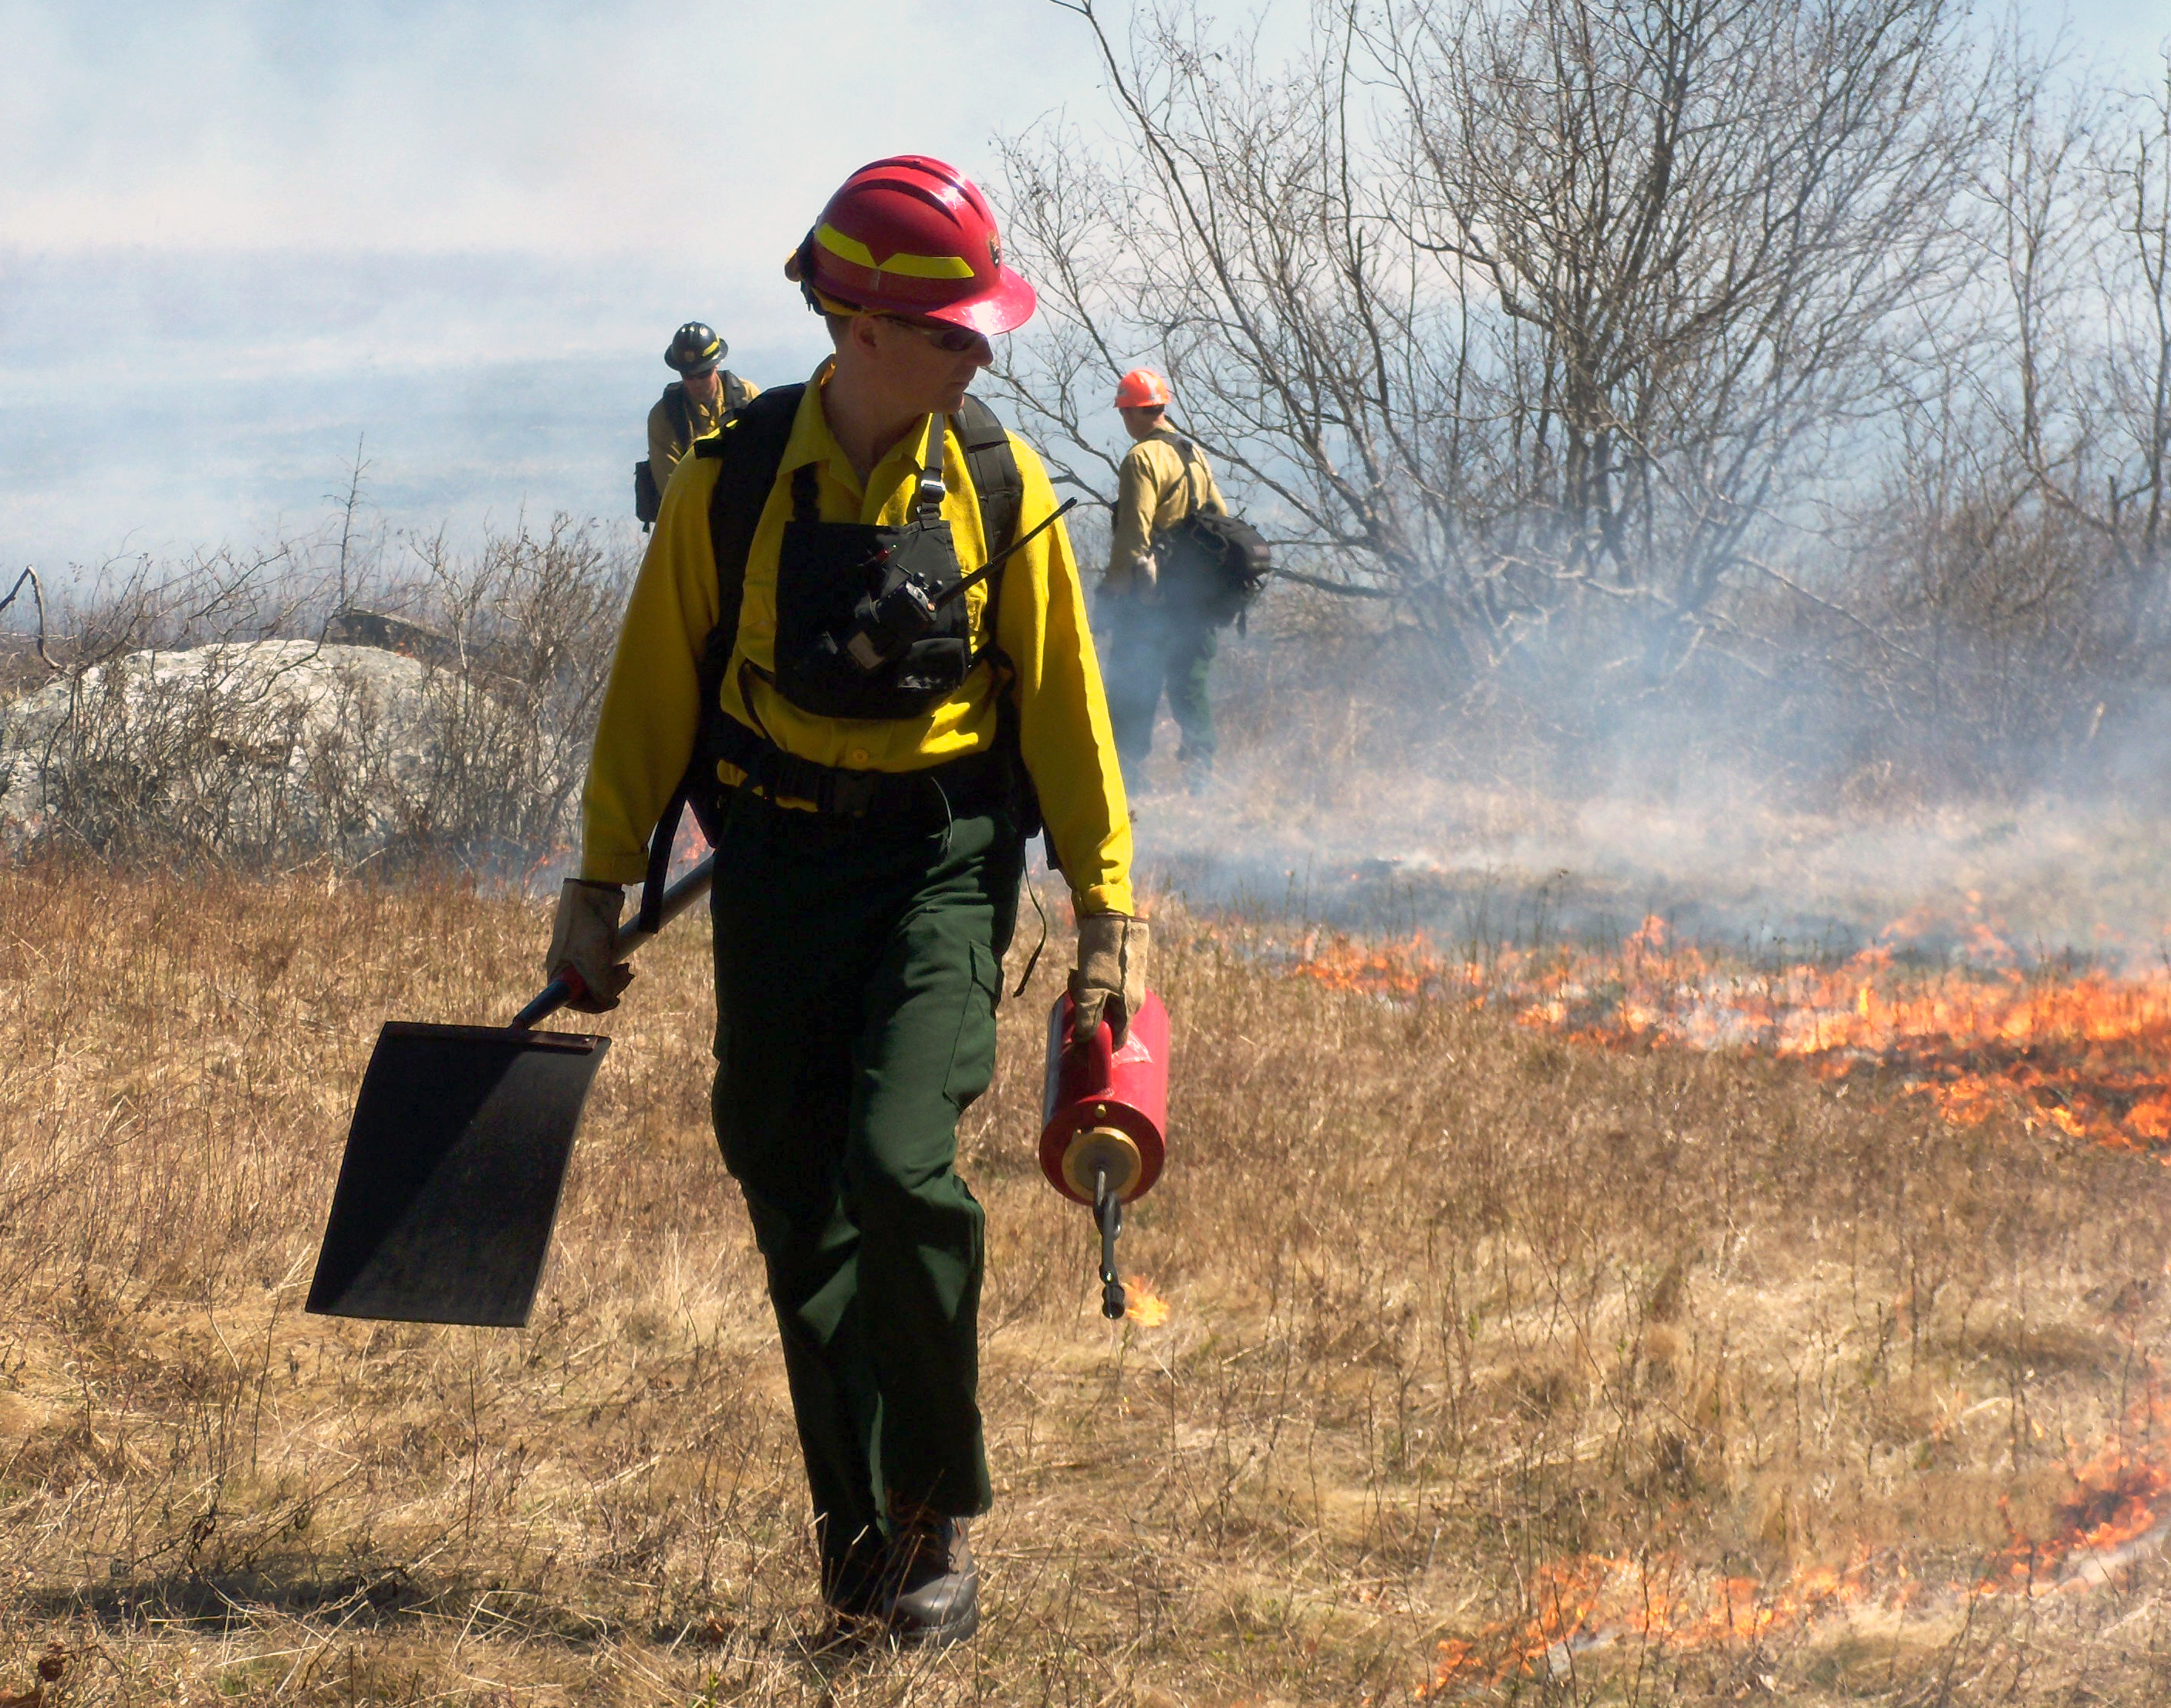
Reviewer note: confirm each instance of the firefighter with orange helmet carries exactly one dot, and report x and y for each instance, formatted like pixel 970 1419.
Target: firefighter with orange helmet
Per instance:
pixel 869 734
pixel 1156 642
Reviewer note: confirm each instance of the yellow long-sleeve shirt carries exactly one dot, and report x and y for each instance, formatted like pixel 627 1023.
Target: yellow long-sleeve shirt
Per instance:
pixel 1157 488
pixel 666 449
pixel 652 704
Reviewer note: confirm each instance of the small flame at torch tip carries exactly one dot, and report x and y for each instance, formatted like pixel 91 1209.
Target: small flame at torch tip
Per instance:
pixel 1143 1306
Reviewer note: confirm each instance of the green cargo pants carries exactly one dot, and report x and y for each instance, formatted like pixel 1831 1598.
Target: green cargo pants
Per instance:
pixel 1150 647
pixel 858 965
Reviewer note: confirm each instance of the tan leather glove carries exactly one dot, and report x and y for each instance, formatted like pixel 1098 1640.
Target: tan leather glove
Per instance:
pixel 1111 973
pixel 582 941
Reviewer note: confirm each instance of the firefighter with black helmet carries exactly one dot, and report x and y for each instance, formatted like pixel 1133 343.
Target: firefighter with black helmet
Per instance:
pixel 1155 638
pixel 692 407
pixel 868 784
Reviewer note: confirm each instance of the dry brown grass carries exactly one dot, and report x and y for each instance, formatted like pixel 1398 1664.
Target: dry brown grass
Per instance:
pixel 1450 1300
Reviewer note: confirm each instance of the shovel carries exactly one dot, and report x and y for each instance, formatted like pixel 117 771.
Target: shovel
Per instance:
pixel 457 1156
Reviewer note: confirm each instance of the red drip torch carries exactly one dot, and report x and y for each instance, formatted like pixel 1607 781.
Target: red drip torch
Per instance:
pixel 1104 1117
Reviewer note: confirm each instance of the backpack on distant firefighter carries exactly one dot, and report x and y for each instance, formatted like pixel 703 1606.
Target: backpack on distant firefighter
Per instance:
pixel 647 494
pixel 647 500
pixel 1211 564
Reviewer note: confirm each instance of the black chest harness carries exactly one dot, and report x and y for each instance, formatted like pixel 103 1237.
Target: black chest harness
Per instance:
pixel 869 622
pixel 872 623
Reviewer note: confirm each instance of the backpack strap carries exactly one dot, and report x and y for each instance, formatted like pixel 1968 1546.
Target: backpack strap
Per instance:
pixel 993 466
pixel 1194 464
pixel 750 449
pixel 680 411
pixel 1000 484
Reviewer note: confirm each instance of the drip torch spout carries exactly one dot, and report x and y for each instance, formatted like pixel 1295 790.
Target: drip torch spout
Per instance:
pixel 1108 1210
pixel 1102 1109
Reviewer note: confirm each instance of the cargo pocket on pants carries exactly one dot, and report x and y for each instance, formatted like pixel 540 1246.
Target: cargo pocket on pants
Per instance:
pixel 972 1057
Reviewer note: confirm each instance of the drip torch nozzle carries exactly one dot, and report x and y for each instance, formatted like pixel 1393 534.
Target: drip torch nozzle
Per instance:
pixel 1109 1209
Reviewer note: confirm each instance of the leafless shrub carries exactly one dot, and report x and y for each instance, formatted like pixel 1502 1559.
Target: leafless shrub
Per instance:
pixel 532 619
pixel 200 714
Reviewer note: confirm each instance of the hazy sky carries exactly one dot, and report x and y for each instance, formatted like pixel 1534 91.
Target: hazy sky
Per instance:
pixel 235 236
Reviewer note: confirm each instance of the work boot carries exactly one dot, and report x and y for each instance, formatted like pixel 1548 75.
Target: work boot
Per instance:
pixel 938 1586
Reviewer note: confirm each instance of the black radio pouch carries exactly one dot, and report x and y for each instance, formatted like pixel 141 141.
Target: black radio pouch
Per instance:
pixel 832 577
pixel 828 575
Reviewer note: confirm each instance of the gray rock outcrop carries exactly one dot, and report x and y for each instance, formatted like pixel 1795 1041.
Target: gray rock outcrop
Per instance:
pixel 251 748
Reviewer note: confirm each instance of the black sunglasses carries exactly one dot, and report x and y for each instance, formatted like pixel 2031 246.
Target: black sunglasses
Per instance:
pixel 951 340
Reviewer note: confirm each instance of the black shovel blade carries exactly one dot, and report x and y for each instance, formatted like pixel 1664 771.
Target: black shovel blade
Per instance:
pixel 453 1166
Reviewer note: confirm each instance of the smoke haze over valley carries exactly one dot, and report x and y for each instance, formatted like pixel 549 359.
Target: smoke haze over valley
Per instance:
pixel 233 244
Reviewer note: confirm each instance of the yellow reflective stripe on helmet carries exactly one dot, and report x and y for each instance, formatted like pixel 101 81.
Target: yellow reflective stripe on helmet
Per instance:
pixel 928 266
pixel 851 249
pixel 847 248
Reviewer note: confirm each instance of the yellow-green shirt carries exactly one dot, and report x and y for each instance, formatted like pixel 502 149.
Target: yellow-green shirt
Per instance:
pixel 652 703
pixel 1158 487
pixel 666 448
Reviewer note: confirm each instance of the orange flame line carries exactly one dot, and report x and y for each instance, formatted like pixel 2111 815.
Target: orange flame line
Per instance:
pixel 2118 1509
pixel 2086 1055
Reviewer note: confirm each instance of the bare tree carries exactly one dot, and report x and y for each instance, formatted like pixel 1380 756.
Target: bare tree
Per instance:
pixel 2013 548
pixel 2128 503
pixel 1535 315
pixel 1240 238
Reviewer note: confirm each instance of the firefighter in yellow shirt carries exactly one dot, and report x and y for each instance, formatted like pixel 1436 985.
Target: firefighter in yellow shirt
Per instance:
pixel 871 746
pixel 1155 640
pixel 693 407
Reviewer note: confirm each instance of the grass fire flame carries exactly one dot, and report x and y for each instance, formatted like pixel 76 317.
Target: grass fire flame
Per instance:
pixel 1943 1011
pixel 2081 1050
pixel 2119 1509
pixel 1142 1305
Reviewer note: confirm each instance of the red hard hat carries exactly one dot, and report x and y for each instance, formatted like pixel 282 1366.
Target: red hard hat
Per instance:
pixel 909 235
pixel 1142 389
